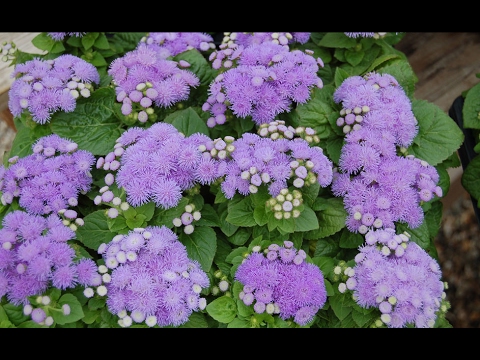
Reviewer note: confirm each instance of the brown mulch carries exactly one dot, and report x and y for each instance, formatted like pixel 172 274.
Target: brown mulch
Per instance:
pixel 458 247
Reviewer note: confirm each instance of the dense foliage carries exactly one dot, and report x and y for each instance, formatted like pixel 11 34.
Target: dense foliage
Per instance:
pixel 239 185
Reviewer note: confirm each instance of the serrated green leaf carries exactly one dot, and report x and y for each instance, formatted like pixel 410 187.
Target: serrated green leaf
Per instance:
pixel 222 309
pixel 201 246
pixel 438 136
pixel 76 312
pixel 354 57
pixel 187 122
pixel 471 108
pixel 330 220
pixel 95 231
pixel 471 178
pixel 341 305
pixel 92 124
pixel 337 40
pixel 240 212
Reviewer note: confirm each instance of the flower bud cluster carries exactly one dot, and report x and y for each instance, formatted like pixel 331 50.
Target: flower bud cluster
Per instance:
pixel 286 205
pixel 222 285
pixel 8 51
pixel 280 38
pixel 351 119
pixel 277 129
pixel 187 219
pixel 168 44
pixel 40 311
pixel 218 149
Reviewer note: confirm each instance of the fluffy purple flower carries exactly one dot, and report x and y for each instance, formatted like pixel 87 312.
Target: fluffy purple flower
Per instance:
pixel 46 180
pixel 296 288
pixel 31 260
pixel 160 281
pixel 410 282
pixel 283 38
pixel 142 79
pixel 43 87
pixel 266 79
pixel 159 163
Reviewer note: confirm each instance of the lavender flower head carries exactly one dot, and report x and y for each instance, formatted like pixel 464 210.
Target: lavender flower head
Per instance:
pixel 168 44
pixel 276 162
pixel 377 102
pixel 280 281
pixel 35 256
pixel 50 179
pixel 282 38
pixel 157 164
pixel 152 278
pixel 261 81
pixel 378 186
pixel 143 79
pixel 43 87
pixel 404 285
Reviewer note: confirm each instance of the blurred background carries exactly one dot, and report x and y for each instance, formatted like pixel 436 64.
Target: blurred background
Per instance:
pixel 446 64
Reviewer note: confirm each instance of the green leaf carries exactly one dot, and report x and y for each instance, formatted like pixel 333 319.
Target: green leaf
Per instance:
pixel 241 236
pixel 341 304
pixel 76 312
pixel 196 320
pixel 201 245
pixel 15 313
pixel 92 124
pixel 420 234
pixel 337 40
pixel 350 240
pixel 102 42
pixel 89 39
pixel 137 222
pixel 198 65
pixel 471 178
pixel 306 221
pixel 222 309
pixel 117 224
pixel 438 137
pixel 330 220
pixel 187 122
pixel 354 57
pixel 240 212
pixel 43 41
pixel 95 231
pixel 26 137
pixel 471 108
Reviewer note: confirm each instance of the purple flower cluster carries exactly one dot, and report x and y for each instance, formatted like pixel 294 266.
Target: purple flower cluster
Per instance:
pixel 50 179
pixel 151 279
pixel 35 256
pixel 261 81
pixel 259 160
pixel 167 44
pixel 58 36
pixel 45 86
pixel 157 163
pixel 144 79
pixel 281 282
pixel 404 285
pixel 249 38
pixel 378 186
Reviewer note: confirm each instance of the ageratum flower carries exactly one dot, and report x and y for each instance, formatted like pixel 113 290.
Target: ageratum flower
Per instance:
pixel 144 79
pixel 261 81
pixel 168 44
pixel 405 285
pixel 158 164
pixel 283 38
pixel 35 256
pixel 282 283
pixel 50 179
pixel 379 187
pixel 152 278
pixel 43 87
